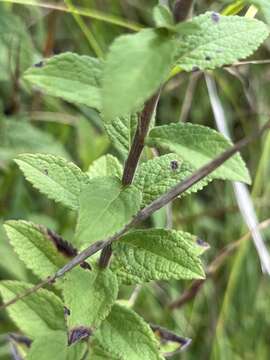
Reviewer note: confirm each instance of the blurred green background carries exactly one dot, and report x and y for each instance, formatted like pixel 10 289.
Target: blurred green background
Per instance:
pixel 229 317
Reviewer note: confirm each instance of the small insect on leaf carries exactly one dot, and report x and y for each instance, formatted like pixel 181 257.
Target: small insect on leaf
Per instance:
pixel 201 242
pixel 215 17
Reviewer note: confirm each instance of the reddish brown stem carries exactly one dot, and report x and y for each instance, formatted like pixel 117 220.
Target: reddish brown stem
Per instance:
pixel 138 141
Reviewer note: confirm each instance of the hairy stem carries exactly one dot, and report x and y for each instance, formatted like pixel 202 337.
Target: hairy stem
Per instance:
pixel 143 214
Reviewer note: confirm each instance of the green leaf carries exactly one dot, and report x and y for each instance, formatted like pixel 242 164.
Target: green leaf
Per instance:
pixel 106 165
pixel 69 76
pixel 136 66
pixel 126 336
pixel 198 145
pixel 35 247
pixel 50 346
pixel 10 266
pixel 36 314
pixel 156 254
pixel 99 354
pixel 55 177
pixel 186 28
pixel 163 17
pixel 105 208
pixel 54 346
pixel 219 40
pixel 264 6
pixel 155 177
pixel 89 295
pixel 121 131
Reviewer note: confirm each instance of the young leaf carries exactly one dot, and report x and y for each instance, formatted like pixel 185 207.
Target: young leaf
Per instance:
pixel 37 247
pixel 264 6
pixel 136 66
pixel 121 131
pixel 162 16
pixel 219 40
pixel 105 207
pixel 156 254
pixel 157 176
pixel 126 336
pixel 198 145
pixel 37 313
pixel 69 76
pixel 106 165
pixel 55 177
pixel 89 296
pixel 54 346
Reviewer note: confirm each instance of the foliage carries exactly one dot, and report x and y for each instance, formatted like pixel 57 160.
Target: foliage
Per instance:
pixel 101 119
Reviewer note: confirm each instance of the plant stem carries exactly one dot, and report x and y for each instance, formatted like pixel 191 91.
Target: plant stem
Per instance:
pixel 163 200
pixel 134 157
pixel 182 10
pixel 138 141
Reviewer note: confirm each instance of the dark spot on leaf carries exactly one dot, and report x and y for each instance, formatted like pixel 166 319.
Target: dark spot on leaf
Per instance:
pixel 62 245
pixel 85 265
pixel 208 58
pixel 39 64
pixel 215 17
pixel 174 165
pixel 66 311
pixel 46 172
pixel 78 333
